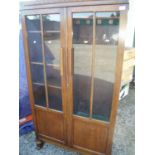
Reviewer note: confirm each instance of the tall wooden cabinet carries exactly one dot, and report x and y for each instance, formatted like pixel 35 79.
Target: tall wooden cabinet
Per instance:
pixel 74 54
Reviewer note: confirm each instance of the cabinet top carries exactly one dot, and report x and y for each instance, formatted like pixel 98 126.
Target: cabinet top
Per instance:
pixel 39 4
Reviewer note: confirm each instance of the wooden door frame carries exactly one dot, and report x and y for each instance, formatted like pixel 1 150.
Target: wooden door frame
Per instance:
pixel 62 65
pixel 41 4
pixel 118 69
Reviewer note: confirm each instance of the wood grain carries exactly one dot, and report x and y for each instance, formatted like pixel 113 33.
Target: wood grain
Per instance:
pixel 85 134
pixel 30 88
pixel 50 123
pixel 67 3
pixel 89 135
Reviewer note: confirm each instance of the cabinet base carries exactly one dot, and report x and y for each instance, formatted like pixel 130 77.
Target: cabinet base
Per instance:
pixel 82 151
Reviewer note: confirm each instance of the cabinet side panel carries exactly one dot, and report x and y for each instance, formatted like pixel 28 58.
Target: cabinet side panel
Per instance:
pixel 26 52
pixel 118 73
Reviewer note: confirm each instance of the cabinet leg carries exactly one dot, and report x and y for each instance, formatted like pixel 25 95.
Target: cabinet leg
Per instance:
pixel 39 144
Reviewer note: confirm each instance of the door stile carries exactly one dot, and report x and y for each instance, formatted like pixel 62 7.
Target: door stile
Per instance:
pixel 117 84
pixel 70 78
pixel 64 70
pixel 93 65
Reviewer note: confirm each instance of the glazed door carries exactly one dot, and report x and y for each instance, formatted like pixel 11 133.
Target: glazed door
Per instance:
pixel 95 54
pixel 45 54
pixel 74 58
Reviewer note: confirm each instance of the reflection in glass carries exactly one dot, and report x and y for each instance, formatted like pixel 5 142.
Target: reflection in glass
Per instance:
pixel 52 44
pixel 51 22
pixel 35 54
pixel 39 95
pixel 33 23
pixel 51 26
pixel 54 98
pixel 37 73
pixel 82 43
pixel 82 28
pixel 107 27
pixel 52 48
pixel 35 48
pixel 53 76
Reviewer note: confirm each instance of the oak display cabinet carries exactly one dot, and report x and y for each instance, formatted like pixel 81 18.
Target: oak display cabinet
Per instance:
pixel 74 55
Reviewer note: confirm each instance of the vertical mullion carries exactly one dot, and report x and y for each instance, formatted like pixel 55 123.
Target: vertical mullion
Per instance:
pixel 93 64
pixel 44 62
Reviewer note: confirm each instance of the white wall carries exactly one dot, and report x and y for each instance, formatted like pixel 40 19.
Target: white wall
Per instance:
pixel 130 24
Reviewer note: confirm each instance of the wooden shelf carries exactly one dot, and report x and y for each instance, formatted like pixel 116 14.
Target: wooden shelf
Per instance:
pixel 44 31
pixel 41 63
pixel 49 85
pixel 53 65
pixel 39 84
pixel 36 63
pixel 34 31
pixel 51 31
pixel 52 86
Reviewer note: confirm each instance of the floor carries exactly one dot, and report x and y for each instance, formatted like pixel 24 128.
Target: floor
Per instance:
pixel 124 136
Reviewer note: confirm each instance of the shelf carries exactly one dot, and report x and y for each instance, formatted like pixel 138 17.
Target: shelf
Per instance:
pixel 44 31
pixel 39 84
pixel 49 85
pixel 40 63
pixel 51 31
pixel 36 63
pixel 52 86
pixel 53 65
pixel 34 31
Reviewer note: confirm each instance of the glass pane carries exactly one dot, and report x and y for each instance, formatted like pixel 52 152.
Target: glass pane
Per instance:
pixel 35 48
pixel 37 73
pixel 51 22
pixel 82 43
pixel 51 26
pixel 33 23
pixel 53 76
pixel 54 97
pixel 39 95
pixel 107 29
pixel 52 48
